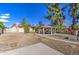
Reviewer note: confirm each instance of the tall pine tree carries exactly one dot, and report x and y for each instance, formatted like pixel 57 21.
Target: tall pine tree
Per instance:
pixel 25 25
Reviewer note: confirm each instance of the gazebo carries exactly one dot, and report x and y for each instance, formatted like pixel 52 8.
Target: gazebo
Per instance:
pixel 46 30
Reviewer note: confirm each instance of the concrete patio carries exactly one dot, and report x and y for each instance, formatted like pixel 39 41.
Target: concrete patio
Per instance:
pixel 36 49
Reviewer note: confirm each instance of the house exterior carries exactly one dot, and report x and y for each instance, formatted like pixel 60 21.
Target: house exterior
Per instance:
pixel 31 29
pixel 17 28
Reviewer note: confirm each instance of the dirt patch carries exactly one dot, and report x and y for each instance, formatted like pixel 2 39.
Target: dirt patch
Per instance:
pixel 9 41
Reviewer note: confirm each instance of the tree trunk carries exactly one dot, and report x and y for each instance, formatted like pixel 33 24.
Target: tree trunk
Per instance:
pixel 2 31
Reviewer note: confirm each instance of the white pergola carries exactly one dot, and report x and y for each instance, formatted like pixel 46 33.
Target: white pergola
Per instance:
pixel 43 28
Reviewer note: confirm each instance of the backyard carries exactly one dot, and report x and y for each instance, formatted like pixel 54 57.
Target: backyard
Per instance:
pixel 53 31
pixel 9 41
pixel 12 41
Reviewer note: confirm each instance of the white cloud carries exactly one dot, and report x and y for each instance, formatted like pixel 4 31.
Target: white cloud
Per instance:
pixel 4 20
pixel 2 17
pixel 6 14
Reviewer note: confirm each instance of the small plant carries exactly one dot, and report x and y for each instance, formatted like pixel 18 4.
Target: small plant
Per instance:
pixel 66 38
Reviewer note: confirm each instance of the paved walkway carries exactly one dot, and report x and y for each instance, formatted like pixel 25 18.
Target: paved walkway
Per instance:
pixel 36 49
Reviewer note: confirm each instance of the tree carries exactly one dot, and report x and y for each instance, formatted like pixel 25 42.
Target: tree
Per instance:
pixel 55 14
pixel 74 13
pixel 2 26
pixel 25 25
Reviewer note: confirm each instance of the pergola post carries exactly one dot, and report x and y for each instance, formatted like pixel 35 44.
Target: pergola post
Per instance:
pixel 39 31
pixel 43 31
pixel 54 30
pixel 51 30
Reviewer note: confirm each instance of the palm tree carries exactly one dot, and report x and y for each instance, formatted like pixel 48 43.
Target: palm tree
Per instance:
pixel 55 14
pixel 74 13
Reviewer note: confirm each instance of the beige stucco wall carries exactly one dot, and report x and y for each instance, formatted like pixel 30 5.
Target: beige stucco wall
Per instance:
pixel 31 29
pixel 15 30
pixel 21 29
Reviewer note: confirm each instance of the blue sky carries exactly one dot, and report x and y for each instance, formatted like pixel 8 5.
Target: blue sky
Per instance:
pixel 33 13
